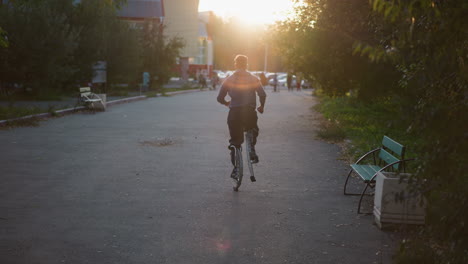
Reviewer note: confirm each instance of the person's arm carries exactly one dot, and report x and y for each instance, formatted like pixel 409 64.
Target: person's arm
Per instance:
pixel 262 96
pixel 222 94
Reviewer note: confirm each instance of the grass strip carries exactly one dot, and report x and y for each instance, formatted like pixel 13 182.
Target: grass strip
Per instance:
pixel 11 112
pixel 364 124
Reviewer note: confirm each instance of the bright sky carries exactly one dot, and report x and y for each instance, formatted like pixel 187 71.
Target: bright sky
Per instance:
pixel 250 11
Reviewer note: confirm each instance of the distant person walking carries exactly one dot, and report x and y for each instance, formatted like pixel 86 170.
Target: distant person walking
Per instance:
pixel 214 80
pixel 146 81
pixel 298 81
pixel 289 81
pixel 275 82
pixel 202 81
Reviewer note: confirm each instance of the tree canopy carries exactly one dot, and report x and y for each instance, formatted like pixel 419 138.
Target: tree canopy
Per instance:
pixel 413 53
pixel 52 45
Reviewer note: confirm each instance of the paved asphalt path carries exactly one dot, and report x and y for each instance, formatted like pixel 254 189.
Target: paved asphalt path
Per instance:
pixel 148 182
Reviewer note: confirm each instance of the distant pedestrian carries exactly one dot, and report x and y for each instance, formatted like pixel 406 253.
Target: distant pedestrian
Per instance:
pixel 146 81
pixel 214 80
pixel 275 82
pixel 202 81
pixel 298 81
pixel 289 81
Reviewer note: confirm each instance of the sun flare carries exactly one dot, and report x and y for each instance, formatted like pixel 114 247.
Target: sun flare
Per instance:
pixel 249 11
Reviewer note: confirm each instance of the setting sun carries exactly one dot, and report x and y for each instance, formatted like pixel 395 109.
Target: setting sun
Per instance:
pixel 249 11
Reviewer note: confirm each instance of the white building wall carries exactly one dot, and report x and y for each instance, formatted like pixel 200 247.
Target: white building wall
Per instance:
pixel 210 56
pixel 181 20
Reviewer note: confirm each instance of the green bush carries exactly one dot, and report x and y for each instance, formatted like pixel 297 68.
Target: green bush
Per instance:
pixel 366 123
pixel 15 112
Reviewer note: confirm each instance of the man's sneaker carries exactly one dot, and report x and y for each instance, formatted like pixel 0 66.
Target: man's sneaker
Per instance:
pixel 233 154
pixel 235 173
pixel 253 155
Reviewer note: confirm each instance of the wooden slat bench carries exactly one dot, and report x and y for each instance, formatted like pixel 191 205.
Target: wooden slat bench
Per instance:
pixel 390 158
pixel 89 98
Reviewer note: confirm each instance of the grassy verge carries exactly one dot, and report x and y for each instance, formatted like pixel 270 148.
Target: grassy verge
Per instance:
pixel 152 93
pixel 11 112
pixel 17 112
pixel 167 90
pixel 363 125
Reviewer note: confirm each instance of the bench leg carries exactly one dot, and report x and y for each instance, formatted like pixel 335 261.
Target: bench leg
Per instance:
pixel 91 107
pixel 346 183
pixel 360 199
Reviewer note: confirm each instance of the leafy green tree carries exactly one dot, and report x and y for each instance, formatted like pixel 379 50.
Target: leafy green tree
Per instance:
pixel 123 54
pixel 414 53
pixel 318 41
pixel 429 47
pixel 41 44
pixel 3 39
pixel 53 44
pixel 90 19
pixel 158 54
pixel 103 37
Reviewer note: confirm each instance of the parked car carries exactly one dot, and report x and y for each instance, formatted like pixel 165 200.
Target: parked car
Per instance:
pixel 306 84
pixel 221 75
pixel 282 80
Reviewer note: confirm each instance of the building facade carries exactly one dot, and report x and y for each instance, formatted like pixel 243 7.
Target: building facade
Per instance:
pixel 204 60
pixel 138 12
pixel 181 20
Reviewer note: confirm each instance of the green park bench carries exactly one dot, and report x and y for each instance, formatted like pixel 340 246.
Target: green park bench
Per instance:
pixel 390 158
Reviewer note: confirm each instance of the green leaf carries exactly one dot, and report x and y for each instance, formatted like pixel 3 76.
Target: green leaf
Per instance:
pixel 375 4
pixel 388 10
pixel 381 6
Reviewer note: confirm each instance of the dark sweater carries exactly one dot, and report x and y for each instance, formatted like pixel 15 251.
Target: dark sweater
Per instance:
pixel 241 87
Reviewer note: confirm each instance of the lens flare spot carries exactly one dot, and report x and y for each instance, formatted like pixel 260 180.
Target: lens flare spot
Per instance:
pixel 223 246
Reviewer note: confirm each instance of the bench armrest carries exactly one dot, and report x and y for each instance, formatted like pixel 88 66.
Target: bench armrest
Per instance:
pixel 90 97
pixel 367 154
pixel 96 96
pixel 388 166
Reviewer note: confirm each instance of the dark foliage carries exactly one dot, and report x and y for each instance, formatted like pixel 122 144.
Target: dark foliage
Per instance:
pixel 51 46
pixel 413 54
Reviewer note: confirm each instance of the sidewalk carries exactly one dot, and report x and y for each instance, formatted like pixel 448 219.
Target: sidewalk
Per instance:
pixel 72 101
pixel 69 105
pixel 55 105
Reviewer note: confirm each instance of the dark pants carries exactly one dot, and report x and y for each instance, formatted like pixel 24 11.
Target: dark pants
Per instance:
pixel 239 120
